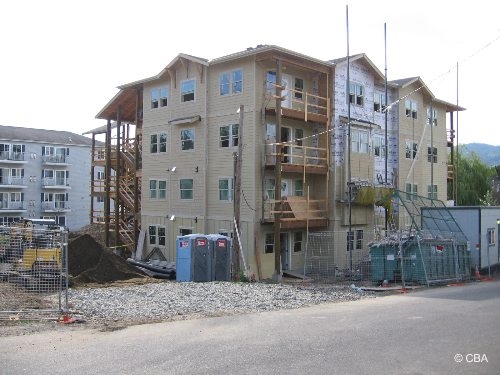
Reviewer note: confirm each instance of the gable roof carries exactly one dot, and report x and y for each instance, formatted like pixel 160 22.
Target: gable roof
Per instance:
pixel 13 133
pixel 362 58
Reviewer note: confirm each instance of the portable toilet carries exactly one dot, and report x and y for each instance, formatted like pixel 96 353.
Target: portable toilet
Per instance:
pixel 221 252
pixel 194 258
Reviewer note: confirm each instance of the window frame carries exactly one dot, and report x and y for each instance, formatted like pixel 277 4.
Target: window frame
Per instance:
pixel 185 142
pixel 411 108
pixel 411 149
pixel 298 242
pixel 229 189
pixel 432 154
pixel 379 104
pixel 188 94
pixel 356 94
pixel 434 116
pixel 269 243
pixel 183 190
pixel 357 144
pixel 298 87
pixel 432 191
pixel 231 138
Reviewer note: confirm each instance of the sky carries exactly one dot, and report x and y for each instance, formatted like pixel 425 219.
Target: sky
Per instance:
pixel 61 61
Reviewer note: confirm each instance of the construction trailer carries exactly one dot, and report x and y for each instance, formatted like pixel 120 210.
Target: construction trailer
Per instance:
pixel 480 224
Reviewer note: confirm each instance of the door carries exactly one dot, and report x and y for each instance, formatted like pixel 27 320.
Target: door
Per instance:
pixel 286 188
pixel 285 251
pixel 286 81
pixel 286 149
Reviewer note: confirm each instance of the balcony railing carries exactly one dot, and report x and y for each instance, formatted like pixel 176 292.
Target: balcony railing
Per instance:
pixel 12 205
pixel 297 157
pixel 12 156
pixel 9 180
pixel 63 182
pixel 57 159
pixel 305 105
pixel 55 206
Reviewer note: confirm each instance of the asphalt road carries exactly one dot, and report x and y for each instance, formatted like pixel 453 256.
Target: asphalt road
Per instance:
pixel 445 330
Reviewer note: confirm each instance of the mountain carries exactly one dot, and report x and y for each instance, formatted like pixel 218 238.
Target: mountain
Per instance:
pixel 489 154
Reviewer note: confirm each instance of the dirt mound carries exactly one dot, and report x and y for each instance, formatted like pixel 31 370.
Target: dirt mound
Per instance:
pixel 89 262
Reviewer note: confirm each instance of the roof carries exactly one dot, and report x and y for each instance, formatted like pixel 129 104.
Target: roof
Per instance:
pixel 13 133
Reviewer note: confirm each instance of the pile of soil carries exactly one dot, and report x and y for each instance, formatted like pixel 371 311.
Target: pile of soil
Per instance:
pixel 90 262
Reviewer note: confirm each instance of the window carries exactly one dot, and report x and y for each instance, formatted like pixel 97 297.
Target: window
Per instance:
pixel 100 175
pixel 224 84
pixel 187 139
pixel 491 236
pixel 410 190
pixel 231 82
pixel 299 88
pixel 431 116
pixel 411 150
pixel 155 96
pixel 18 152
pixel 100 199
pixel 350 240
pixel 226 189
pixel 159 97
pixel 359 141
pixel 269 243
pixel 157 189
pixel 298 186
pixel 411 108
pixel 164 96
pixel 158 143
pixel 163 142
pixel 269 187
pixel 297 242
pixel 356 94
pixel 157 235
pixel 432 154
pixel 152 234
pixel 432 191
pixel 378 102
pixel 379 146
pixel 185 231
pixel 299 136
pixel 271 82
pixel 237 76
pixel 161 236
pixel 271 132
pixel 228 136
pixel 153 147
pixel 188 89
pixel 359 239
pixel 186 188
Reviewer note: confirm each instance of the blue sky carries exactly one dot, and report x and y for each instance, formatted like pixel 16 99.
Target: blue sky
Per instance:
pixel 62 60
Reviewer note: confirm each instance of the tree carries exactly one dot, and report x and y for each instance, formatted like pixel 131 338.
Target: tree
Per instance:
pixel 474 179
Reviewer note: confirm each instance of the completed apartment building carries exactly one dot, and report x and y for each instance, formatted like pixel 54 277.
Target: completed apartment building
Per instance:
pixel 44 174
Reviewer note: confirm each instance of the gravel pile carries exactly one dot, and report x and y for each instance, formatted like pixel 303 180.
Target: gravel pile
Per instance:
pixel 173 300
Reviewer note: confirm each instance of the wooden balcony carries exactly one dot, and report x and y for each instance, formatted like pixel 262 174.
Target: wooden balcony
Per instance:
pixel 297 159
pixel 297 104
pixel 297 212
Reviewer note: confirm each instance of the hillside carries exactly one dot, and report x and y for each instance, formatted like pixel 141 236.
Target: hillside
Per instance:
pixel 489 154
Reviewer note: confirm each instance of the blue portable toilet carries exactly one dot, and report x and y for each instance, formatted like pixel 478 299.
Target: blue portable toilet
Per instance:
pixel 221 252
pixel 194 258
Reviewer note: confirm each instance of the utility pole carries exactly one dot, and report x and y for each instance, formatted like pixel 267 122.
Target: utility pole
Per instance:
pixel 277 173
pixel 350 236
pixel 237 194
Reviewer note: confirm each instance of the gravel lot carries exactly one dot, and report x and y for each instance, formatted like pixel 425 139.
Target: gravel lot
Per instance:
pixel 117 306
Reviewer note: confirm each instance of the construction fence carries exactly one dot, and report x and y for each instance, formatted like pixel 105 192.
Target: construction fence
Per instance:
pixel 33 271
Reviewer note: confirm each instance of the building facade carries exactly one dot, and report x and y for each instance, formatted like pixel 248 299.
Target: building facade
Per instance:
pixel 44 174
pixel 286 137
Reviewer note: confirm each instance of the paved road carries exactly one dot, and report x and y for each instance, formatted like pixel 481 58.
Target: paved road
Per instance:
pixel 447 330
